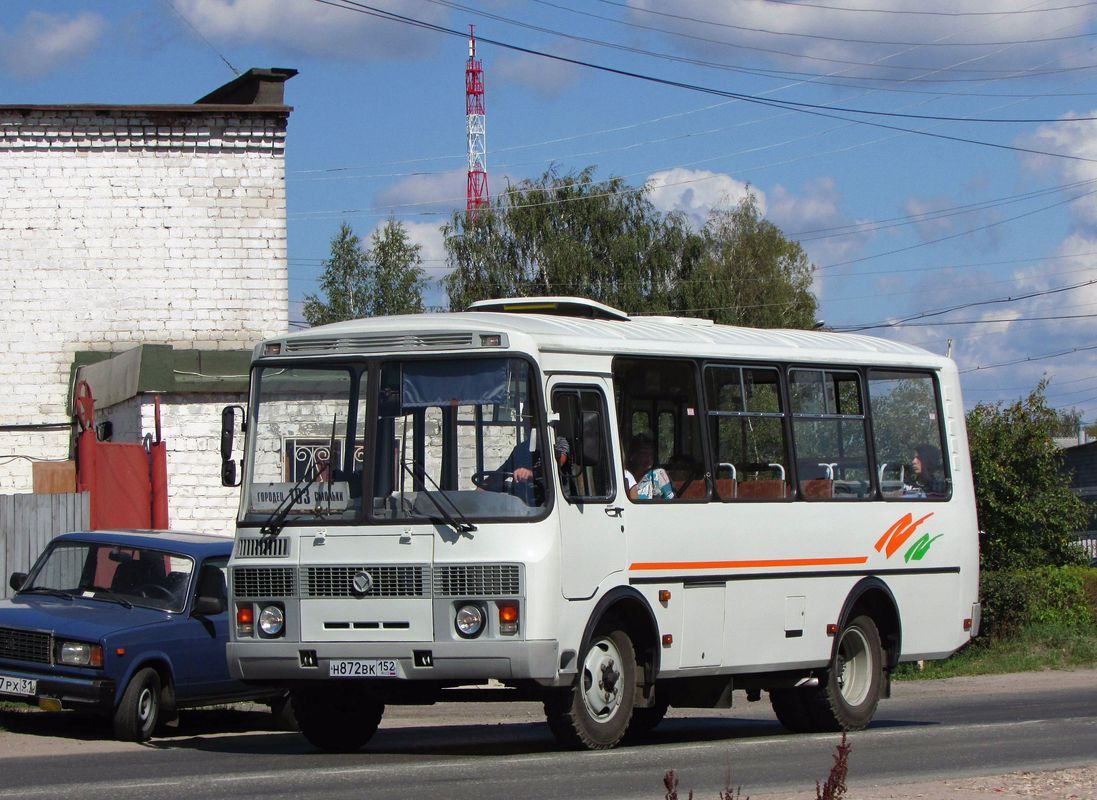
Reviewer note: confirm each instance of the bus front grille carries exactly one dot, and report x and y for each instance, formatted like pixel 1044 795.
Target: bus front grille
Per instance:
pixel 477 580
pixel 264 582
pixel 390 581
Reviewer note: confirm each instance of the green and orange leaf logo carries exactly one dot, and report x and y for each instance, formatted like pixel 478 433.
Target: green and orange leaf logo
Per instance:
pixel 898 534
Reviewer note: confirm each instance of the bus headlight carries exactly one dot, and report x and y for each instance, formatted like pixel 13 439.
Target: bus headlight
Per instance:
pixel 469 621
pixel 272 620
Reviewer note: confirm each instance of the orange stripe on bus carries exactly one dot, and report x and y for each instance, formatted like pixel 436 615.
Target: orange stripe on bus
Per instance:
pixel 761 562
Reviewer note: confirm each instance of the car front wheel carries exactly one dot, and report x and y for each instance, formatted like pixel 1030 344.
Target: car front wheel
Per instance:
pixel 136 716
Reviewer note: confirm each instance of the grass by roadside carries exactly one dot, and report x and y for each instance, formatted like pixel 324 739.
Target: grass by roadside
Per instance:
pixel 1036 647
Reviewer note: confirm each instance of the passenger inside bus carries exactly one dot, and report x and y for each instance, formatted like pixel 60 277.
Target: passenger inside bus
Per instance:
pixel 654 483
pixel 928 480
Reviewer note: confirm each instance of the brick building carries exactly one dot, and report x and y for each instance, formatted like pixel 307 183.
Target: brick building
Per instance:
pixel 125 227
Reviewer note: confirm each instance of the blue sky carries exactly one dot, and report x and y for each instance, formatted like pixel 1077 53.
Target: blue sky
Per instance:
pixel 929 156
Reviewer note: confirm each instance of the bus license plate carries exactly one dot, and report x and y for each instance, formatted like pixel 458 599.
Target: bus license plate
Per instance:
pixel 21 686
pixel 375 668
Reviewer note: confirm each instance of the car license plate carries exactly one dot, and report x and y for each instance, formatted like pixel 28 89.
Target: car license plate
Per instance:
pixel 352 668
pixel 21 686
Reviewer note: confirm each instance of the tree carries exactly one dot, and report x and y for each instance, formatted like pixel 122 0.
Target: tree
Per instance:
pixel 569 235
pixel 384 279
pixel 572 235
pixel 1024 502
pixel 750 273
pixel 345 282
pixel 398 279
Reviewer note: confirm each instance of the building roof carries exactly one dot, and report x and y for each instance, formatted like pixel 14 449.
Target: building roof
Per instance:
pixel 257 91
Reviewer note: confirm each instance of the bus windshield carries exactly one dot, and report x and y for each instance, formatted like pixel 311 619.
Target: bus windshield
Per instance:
pixel 458 437
pixel 445 440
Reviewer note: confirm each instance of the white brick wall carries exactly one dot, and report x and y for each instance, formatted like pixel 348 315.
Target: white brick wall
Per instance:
pixel 131 226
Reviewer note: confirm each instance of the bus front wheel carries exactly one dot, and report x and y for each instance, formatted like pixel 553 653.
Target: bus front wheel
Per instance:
pixel 594 713
pixel 339 722
pixel 848 698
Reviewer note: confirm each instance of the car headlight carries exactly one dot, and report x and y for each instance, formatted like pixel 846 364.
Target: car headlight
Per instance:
pixel 80 654
pixel 469 620
pixel 271 620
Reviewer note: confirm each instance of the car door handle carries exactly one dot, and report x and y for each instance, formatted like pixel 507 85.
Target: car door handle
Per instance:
pixel 613 511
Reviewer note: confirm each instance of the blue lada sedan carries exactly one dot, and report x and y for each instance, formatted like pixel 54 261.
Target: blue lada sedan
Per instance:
pixel 131 624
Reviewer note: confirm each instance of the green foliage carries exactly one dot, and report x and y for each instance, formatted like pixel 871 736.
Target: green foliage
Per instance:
pixel 749 273
pixel 1024 502
pixel 1015 599
pixel 385 278
pixel 572 235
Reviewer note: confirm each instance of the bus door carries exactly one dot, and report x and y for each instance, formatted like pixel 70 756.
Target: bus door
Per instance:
pixel 592 541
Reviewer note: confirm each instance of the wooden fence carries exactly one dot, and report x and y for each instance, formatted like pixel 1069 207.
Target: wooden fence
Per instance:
pixel 29 521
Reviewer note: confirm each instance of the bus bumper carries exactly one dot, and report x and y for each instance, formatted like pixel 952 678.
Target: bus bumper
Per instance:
pixel 274 661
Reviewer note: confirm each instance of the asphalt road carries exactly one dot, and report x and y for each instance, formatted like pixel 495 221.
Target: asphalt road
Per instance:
pixel 927 730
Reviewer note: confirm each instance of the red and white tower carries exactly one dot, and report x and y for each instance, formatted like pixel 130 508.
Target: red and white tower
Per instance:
pixel 477 131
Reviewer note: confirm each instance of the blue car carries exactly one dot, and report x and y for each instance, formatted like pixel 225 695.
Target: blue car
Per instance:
pixel 130 624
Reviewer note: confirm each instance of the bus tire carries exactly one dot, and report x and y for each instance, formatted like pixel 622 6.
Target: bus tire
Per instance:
pixel 848 697
pixel 338 722
pixel 137 714
pixel 594 713
pixel 791 707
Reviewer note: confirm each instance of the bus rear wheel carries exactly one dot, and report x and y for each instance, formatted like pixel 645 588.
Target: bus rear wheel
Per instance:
pixel 848 697
pixel 339 722
pixel 595 712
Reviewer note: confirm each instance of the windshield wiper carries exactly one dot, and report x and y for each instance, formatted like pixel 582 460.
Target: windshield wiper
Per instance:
pixel 464 526
pixel 277 520
pixel 46 590
pixel 110 597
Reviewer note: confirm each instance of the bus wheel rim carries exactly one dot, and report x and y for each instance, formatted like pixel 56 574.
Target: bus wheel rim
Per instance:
pixel 854 667
pixel 601 680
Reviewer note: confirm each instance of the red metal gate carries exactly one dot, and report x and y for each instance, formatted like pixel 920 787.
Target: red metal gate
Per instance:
pixel 127 483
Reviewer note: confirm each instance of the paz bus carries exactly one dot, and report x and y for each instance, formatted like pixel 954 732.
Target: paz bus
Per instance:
pixel 438 503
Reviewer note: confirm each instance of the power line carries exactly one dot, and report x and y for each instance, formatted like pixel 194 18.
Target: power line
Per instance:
pixel 798 4
pixel 844 40
pixel 814 109
pixel 940 312
pixel 1027 359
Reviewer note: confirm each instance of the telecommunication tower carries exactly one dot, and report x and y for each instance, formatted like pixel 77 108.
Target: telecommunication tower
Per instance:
pixel 477 194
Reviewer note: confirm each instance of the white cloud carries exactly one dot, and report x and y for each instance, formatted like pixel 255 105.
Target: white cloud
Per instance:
pixel 42 43
pixel 789 32
pixel 545 76
pixel 314 29
pixel 1074 139
pixel 696 192
pixel 809 216
pixel 430 192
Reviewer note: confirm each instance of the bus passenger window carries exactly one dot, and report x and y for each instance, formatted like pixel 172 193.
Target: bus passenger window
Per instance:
pixel 907 436
pixel 659 409
pixel 746 426
pixel 828 430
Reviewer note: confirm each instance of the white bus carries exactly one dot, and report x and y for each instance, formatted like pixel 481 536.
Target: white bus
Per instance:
pixel 608 514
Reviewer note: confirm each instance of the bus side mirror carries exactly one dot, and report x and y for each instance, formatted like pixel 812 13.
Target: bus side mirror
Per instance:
pixel 229 476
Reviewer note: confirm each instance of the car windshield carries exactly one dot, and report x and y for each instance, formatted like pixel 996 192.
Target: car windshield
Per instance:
pixel 135 575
